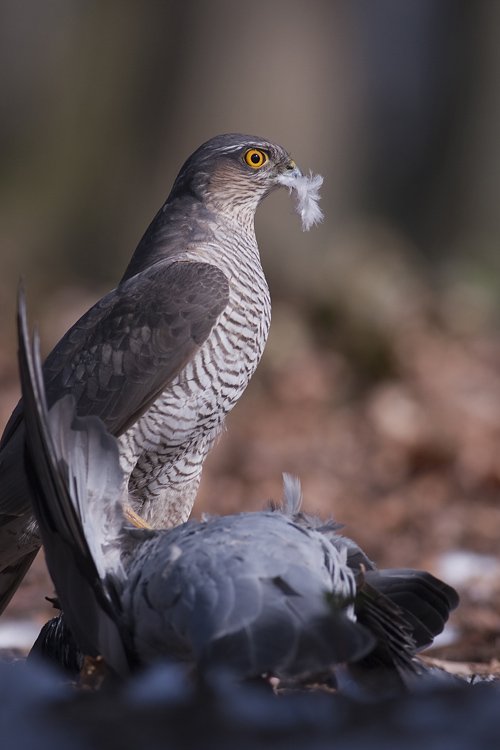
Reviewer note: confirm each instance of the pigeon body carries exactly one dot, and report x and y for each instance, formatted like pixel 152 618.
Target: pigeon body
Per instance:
pixel 274 592
pixel 249 591
pixel 164 357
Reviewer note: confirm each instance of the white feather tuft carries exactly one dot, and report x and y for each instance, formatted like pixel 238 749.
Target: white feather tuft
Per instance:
pixel 292 494
pixel 307 196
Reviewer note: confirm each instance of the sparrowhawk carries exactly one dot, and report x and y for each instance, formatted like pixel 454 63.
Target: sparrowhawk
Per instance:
pixel 275 592
pixel 163 358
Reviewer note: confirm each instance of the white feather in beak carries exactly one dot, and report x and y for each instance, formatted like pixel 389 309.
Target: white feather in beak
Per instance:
pixel 306 188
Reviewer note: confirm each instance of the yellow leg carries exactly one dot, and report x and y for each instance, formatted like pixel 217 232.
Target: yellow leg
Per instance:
pixel 135 519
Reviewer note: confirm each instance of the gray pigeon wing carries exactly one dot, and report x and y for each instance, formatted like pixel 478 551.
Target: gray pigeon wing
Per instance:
pixel 125 351
pixel 58 465
pixel 425 600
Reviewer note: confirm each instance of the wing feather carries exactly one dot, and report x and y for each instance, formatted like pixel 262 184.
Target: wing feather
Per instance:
pixel 125 351
pixel 63 463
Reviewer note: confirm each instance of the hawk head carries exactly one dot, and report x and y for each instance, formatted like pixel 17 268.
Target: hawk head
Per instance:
pixel 235 172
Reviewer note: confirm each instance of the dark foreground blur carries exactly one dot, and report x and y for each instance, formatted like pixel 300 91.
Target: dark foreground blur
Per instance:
pixel 162 709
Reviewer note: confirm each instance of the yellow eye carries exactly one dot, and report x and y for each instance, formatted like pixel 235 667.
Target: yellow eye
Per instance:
pixel 256 158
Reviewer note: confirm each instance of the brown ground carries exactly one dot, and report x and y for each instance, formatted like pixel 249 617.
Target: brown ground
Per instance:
pixel 407 458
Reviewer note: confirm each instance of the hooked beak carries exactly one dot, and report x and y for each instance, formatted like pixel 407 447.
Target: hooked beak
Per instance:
pixel 292 170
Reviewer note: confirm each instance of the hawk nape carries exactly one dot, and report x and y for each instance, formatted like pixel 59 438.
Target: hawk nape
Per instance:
pixel 164 357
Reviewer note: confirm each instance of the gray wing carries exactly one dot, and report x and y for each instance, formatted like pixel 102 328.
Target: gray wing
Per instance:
pixel 71 464
pixel 404 609
pixel 424 600
pixel 125 351
pixel 248 591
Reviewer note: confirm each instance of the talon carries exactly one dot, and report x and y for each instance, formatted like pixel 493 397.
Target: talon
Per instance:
pixel 93 673
pixel 135 519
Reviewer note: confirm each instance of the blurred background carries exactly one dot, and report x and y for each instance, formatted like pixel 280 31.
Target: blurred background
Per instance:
pixel 380 385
